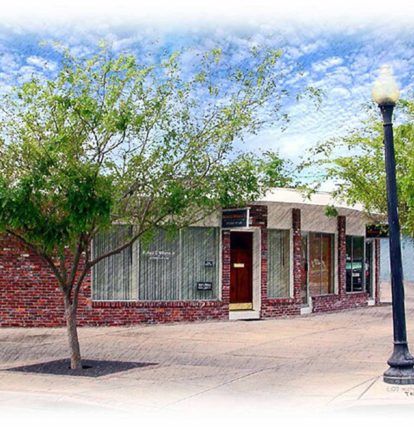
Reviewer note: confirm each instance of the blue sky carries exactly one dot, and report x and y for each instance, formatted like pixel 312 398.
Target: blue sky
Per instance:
pixel 339 50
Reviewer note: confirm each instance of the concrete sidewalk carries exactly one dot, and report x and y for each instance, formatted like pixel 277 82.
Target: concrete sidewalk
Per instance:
pixel 313 363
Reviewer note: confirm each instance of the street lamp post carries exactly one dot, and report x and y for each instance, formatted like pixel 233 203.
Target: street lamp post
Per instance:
pixel 385 93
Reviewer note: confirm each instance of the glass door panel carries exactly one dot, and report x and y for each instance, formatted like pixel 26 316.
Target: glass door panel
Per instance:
pixel 326 264
pixel 314 264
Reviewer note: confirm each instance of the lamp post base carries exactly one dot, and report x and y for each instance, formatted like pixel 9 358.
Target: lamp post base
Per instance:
pixel 401 376
pixel 401 370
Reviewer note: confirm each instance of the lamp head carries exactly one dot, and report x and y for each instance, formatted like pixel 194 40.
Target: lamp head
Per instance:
pixel 385 89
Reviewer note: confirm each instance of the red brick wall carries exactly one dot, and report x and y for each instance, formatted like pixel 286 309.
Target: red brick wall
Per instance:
pixel 128 313
pixel 28 291
pixel 225 268
pixel 258 216
pixel 30 296
pixel 297 255
pixel 341 255
pixel 339 302
pixel 263 274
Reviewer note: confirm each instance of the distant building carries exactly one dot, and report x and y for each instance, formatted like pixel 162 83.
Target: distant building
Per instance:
pixel 407 246
pixel 279 256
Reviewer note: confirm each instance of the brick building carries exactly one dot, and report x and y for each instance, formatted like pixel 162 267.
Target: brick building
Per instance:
pixel 280 256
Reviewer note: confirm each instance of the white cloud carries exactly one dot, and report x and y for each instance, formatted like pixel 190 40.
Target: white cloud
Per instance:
pixel 342 63
pixel 42 63
pixel 340 92
pixel 326 64
pixel 8 62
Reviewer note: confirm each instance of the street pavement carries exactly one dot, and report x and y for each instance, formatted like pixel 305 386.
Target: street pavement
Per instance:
pixel 313 365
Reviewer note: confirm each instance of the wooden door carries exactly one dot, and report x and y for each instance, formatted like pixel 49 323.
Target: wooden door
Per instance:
pixel 241 272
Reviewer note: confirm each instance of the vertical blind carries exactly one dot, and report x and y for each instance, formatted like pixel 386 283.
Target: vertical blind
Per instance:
pixel 168 268
pixel 159 268
pixel 199 262
pixel 112 277
pixel 278 268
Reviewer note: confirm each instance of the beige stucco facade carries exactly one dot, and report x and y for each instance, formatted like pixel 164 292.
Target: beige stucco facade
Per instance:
pixel 281 201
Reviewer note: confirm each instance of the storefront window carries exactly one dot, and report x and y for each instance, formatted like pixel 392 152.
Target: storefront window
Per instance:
pixel 112 277
pixel 184 267
pixel 278 267
pixel 200 262
pixel 355 264
pixel 159 265
pixel 321 248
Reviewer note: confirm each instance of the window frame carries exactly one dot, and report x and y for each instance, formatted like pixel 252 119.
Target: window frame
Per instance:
pixel 290 266
pixel 364 257
pixel 135 272
pixel 93 272
pixel 333 263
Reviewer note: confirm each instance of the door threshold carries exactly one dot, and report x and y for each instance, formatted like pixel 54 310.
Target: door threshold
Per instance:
pixel 241 306
pixel 244 315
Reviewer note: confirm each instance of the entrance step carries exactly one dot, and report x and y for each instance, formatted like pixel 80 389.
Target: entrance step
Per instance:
pixel 306 310
pixel 244 314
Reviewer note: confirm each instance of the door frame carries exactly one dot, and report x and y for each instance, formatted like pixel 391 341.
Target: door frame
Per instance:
pixel 245 247
pixel 254 313
pixel 374 284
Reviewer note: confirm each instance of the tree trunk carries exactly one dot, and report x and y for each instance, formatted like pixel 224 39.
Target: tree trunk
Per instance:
pixel 70 315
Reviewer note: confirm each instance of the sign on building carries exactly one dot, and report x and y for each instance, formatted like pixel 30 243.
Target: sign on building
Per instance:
pixel 376 231
pixel 235 218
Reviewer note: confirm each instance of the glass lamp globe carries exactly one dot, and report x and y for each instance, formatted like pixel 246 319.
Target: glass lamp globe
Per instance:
pixel 385 89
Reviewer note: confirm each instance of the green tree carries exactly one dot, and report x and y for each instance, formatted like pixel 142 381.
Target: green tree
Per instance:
pixel 356 162
pixel 110 140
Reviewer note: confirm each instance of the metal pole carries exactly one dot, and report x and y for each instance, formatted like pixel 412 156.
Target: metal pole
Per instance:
pixel 401 361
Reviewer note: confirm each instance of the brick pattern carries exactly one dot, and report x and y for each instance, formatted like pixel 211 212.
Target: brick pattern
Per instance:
pixel 341 255
pixel 263 266
pixel 30 296
pixel 279 307
pixel 133 312
pixel 297 255
pixel 258 216
pixel 225 268
pixel 324 303
pixel 23 303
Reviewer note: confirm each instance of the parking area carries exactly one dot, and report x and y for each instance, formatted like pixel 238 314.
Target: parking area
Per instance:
pixel 325 362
